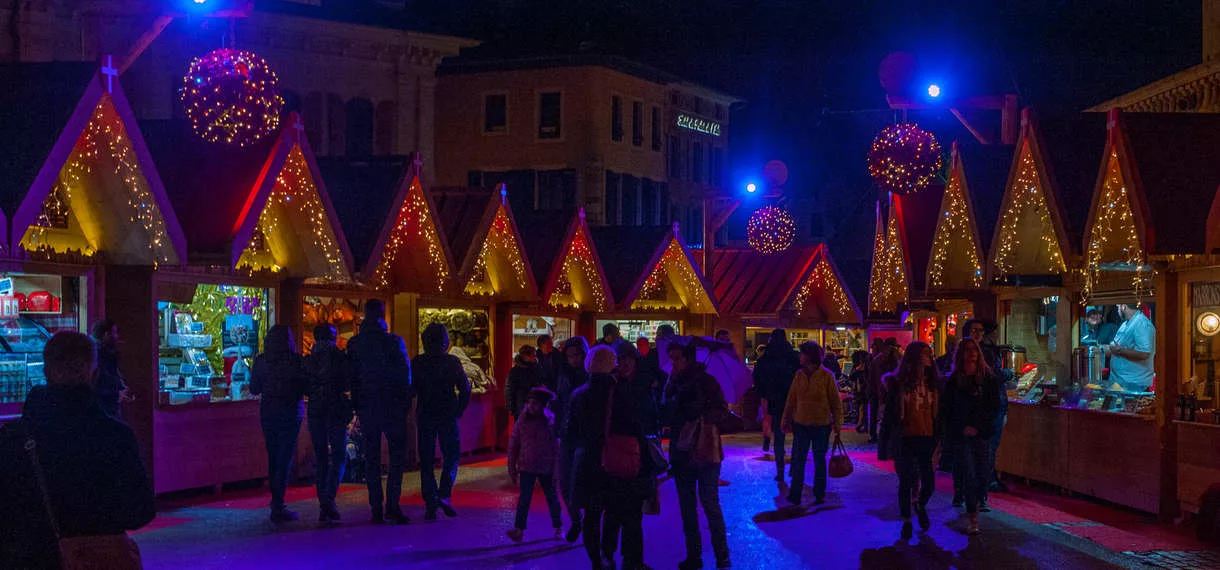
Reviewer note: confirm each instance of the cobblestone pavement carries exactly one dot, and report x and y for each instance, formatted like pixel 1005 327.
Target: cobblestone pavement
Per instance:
pixel 857 528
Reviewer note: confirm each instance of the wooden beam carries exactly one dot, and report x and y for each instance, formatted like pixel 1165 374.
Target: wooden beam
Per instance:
pixel 146 39
pixel 973 130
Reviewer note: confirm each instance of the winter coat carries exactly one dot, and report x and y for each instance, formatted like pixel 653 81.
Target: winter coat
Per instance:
pixel 814 399
pixel 878 367
pixel 382 389
pixel 647 389
pixel 570 379
pixel 587 432
pixel 110 382
pixel 523 377
pixel 330 379
pixel 773 375
pixel 533 446
pixel 691 394
pixel 440 382
pixel 92 469
pixel 280 379
pixel 970 403
pixel 891 419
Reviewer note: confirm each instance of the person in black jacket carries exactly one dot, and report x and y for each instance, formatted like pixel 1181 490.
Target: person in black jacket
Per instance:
pixel 571 377
pixel 110 385
pixel 444 393
pixel 330 411
pixel 551 361
pixel 90 464
pixel 969 408
pixel 278 376
pixel 525 375
pixel 773 375
pixel 382 395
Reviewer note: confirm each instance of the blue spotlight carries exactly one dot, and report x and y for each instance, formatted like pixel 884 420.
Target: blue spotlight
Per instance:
pixel 934 91
pixel 751 187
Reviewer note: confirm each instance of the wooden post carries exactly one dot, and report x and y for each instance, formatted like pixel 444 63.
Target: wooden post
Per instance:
pixel 1169 374
pixel 130 304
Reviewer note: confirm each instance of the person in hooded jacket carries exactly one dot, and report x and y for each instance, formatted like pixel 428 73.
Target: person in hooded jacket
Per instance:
pixel 444 392
pixel 572 376
pixel 533 453
pixel 90 463
pixel 278 376
pixel 773 374
pixel 330 411
pixel 382 396
pixel 525 375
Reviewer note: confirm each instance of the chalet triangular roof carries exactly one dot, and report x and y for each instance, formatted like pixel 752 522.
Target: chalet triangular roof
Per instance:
pixel 411 254
pixel 576 276
pixel 484 236
pixel 954 264
pixel 823 295
pixel 671 280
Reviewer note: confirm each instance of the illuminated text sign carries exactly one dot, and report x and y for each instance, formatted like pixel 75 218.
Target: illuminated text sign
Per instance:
pixel 699 125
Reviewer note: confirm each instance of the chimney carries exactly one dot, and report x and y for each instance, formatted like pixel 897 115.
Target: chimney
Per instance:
pixel 1211 31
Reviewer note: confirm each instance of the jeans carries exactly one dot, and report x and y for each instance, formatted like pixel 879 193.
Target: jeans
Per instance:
pixel 874 415
pixel 914 464
pixel 627 517
pixel 547 482
pixel 993 475
pixel 776 422
pixel 973 458
pixel 703 484
pixel 280 435
pixel 329 436
pixel 803 437
pixel 395 431
pixel 429 432
pixel 567 453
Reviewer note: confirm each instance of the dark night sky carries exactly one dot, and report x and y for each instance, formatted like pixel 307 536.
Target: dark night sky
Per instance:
pixel 795 60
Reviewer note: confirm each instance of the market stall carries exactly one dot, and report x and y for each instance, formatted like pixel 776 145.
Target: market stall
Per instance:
pixel 262 232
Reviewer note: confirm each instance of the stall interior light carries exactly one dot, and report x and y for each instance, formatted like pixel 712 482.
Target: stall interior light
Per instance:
pixel 1208 324
pixel 840 328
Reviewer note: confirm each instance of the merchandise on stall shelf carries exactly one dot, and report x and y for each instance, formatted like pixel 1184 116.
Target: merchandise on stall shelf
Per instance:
pixel 470 336
pixel 343 314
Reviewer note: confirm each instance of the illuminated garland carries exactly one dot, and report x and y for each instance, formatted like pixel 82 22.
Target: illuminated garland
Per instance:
pixel 105 137
pixel 578 262
pixel 770 230
pixel 1026 204
pixel 296 194
pixel 904 158
pixel 823 279
pixel 1114 238
pixel 414 222
pixel 232 96
pixel 894 291
pixel 954 236
pixel 673 268
pixel 501 242
pixel 876 281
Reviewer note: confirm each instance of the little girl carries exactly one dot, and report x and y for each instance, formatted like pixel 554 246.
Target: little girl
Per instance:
pixel 533 450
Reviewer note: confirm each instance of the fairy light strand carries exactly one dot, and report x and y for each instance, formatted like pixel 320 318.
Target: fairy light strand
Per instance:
pixel 876 280
pixel 1114 238
pixel 953 244
pixel 894 291
pixel 1026 207
pixel 501 244
pixel 823 280
pixel 414 224
pixel 673 272
pixel 232 96
pixel 579 265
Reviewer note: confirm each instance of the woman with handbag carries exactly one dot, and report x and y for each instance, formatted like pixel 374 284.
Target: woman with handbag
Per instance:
pixel 910 427
pixel 694 405
pixel 812 411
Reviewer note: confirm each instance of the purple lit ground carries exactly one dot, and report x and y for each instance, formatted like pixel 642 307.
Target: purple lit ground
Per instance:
pixel 857 528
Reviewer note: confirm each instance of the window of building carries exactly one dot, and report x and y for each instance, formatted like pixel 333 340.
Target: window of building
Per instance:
pixel 550 113
pixel 616 118
pixel 613 197
pixel 696 168
pixel 648 203
pixel 386 128
pixel 656 129
pixel 495 113
pixel 556 189
pixel 630 205
pixel 359 128
pixel 637 123
pixel 675 158
pixel 717 175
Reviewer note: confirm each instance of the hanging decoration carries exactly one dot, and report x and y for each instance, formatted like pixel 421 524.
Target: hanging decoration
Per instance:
pixel 770 230
pixel 1114 240
pixel 953 245
pixel 414 223
pixel 579 266
pixel 232 96
pixel 1027 214
pixel 501 243
pixel 904 158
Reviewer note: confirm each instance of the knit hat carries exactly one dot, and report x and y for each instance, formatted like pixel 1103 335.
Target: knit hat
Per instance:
pixel 601 360
pixel 624 350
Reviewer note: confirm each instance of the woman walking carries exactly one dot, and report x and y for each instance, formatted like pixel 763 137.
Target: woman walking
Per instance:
pixel 278 375
pixel 970 407
pixel 909 426
pixel 813 410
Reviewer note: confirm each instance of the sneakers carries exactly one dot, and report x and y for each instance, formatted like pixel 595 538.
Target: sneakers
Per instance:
pixel 972 528
pixel 921 511
pixel 394 515
pixel 573 533
pixel 984 507
pixel 446 508
pixel 514 535
pixel 283 515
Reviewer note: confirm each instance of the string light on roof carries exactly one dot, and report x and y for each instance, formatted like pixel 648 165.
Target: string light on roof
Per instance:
pixel 1025 208
pixel 502 243
pixel 954 241
pixel 889 286
pixel 578 263
pixel 1114 238
pixel 876 281
pixel 904 158
pixel 232 96
pixel 414 223
pixel 674 272
pixel 823 279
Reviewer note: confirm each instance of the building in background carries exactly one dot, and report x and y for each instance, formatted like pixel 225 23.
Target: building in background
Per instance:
pixel 633 145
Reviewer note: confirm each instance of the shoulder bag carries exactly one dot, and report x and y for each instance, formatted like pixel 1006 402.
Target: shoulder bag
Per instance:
pixel 621 453
pixel 840 462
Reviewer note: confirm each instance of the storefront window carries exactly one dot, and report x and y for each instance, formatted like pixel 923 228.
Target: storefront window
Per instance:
pixel 634 329
pixel 843 341
pixel 758 337
pixel 469 341
pixel 527 329
pixel 209 336
pixel 343 314
pixel 1113 358
pixel 32 308
pixel 1199 393
pixel 1030 346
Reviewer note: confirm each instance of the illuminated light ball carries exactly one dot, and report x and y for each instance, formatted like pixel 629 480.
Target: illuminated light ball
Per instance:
pixel 904 158
pixel 770 230
pixel 934 91
pixel 232 96
pixel 751 187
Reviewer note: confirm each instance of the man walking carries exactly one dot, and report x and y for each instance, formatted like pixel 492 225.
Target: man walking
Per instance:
pixel 444 393
pixel 773 374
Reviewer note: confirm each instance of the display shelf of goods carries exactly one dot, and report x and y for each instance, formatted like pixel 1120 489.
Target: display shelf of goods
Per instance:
pixel 904 158
pixel 232 96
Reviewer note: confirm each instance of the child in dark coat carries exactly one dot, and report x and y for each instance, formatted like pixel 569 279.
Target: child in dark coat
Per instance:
pixel 533 452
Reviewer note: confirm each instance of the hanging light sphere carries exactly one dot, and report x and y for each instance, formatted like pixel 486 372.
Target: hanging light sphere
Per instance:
pixel 904 158
pixel 770 230
pixel 232 96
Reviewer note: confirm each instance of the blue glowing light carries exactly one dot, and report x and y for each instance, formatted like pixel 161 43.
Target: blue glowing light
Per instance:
pixel 751 187
pixel 934 91
pixel 201 1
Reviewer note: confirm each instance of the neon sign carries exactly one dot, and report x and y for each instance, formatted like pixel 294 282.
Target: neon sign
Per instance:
pixel 699 125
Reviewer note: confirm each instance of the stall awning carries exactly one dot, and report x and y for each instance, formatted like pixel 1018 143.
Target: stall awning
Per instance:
pixel 802 280
pixel 78 178
pixel 479 227
pixel 566 262
pixel 646 277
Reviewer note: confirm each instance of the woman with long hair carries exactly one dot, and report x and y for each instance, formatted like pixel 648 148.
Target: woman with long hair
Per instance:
pixel 910 427
pixel 970 406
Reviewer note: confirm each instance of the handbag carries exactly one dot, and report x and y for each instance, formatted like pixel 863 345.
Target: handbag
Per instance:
pixel 701 439
pixel 840 463
pixel 95 552
pixel 621 453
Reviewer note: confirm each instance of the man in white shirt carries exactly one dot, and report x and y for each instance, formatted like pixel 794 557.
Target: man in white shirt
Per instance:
pixel 1133 349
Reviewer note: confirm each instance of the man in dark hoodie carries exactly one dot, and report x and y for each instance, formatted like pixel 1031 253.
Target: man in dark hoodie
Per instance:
pixel 381 395
pixel 773 375
pixel 110 385
pixel 444 393
pixel 90 464
pixel 525 375
pixel 330 411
